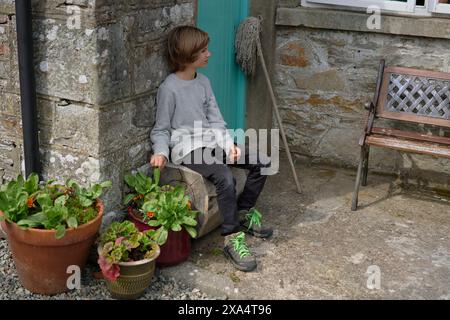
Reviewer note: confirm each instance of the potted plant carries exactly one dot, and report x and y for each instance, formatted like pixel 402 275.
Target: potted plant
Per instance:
pixel 127 259
pixel 174 220
pixel 143 188
pixel 165 209
pixel 50 227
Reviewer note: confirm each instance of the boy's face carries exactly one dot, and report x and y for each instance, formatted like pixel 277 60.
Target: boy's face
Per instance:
pixel 202 60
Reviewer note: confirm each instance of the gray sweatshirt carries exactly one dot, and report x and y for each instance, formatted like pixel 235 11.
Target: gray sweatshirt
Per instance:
pixel 187 118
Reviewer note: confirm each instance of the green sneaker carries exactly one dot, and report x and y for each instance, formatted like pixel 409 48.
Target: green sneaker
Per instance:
pixel 250 222
pixel 237 252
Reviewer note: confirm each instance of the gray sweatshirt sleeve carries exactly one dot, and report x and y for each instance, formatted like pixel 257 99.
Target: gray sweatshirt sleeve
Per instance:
pixel 160 135
pixel 216 121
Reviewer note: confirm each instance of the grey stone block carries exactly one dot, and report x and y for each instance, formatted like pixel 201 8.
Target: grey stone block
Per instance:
pixel 110 217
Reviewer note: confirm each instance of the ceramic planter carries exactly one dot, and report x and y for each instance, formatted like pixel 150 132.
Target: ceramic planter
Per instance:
pixel 177 247
pixel 134 279
pixel 42 260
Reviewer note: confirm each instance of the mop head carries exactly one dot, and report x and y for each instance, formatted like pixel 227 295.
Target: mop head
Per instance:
pixel 247 37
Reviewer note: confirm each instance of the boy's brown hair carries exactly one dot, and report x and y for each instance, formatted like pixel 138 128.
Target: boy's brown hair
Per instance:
pixel 184 46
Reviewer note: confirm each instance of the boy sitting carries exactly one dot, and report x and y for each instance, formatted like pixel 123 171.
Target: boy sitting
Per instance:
pixel 186 102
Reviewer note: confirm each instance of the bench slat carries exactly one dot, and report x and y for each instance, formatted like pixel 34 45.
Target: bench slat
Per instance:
pixel 409 145
pixel 410 135
pixel 413 118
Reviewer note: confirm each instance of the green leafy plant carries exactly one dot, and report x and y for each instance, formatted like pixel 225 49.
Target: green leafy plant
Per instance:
pixel 172 210
pixel 49 205
pixel 144 188
pixel 123 242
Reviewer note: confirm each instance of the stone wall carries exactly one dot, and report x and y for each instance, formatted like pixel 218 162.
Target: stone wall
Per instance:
pixel 325 76
pixel 98 66
pixel 10 121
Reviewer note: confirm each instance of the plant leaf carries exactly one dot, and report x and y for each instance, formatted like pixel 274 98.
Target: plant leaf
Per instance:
pixel 128 198
pixel 72 183
pixel 60 231
pixel 156 175
pixel 27 223
pixel 21 199
pixel 72 222
pixel 50 182
pixel 39 217
pixel 189 221
pixel 153 223
pixel 192 231
pixel 44 200
pixel 4 202
pixel 160 236
pixel 96 191
pixel 85 202
pixel 61 200
pixel 106 184
pixel 32 184
pixel 130 180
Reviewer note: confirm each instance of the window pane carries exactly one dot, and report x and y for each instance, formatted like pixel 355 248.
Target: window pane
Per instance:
pixel 393 5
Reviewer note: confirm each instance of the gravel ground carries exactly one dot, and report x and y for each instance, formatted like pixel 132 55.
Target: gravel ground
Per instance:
pixel 161 288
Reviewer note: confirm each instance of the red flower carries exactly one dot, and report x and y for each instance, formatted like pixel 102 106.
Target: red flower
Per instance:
pixel 150 214
pixel 30 202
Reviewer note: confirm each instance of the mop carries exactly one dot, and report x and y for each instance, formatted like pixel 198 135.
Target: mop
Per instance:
pixel 248 49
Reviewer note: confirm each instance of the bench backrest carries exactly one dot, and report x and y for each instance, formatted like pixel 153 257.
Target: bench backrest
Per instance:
pixel 413 95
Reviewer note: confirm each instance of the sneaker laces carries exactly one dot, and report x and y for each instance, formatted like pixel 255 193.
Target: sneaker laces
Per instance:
pixel 240 246
pixel 254 217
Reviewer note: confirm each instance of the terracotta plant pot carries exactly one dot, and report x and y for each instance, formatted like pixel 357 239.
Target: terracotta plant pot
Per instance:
pixel 134 279
pixel 42 260
pixel 177 247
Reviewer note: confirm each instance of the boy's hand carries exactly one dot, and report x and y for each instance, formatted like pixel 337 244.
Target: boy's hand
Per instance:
pixel 158 160
pixel 235 154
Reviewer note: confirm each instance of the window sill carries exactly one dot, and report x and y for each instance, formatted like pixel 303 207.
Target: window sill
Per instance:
pixel 354 21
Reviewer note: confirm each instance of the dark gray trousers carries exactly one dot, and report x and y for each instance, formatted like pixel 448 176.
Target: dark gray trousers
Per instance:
pixel 222 178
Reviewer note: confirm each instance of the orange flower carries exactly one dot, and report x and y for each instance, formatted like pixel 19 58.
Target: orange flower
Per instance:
pixel 189 204
pixel 30 202
pixel 150 214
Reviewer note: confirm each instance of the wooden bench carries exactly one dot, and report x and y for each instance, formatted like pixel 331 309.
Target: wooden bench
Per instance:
pixel 408 95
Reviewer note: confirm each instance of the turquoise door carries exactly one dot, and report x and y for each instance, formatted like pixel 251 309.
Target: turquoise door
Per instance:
pixel 221 18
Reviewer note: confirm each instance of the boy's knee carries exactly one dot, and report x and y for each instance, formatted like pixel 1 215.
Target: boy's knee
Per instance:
pixel 224 180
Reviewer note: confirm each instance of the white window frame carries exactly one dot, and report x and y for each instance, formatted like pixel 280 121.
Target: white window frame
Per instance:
pixel 435 6
pixel 383 5
pixel 429 9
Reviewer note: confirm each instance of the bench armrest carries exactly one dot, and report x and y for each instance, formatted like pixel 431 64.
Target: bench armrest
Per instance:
pixel 369 106
pixel 370 117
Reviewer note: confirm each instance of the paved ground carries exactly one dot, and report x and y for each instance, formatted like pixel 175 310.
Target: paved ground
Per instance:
pixel 322 250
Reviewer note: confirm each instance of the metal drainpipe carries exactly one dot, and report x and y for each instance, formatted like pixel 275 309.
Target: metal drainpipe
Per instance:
pixel 27 87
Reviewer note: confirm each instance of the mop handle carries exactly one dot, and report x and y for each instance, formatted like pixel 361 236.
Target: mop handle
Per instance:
pixel 275 107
